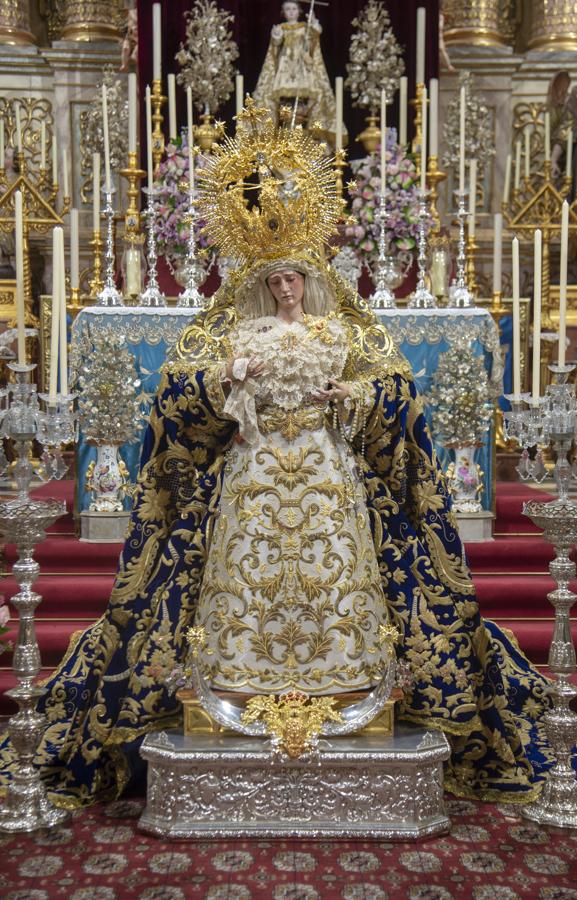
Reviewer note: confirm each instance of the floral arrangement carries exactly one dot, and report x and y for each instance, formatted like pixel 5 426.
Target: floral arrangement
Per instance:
pixel 459 396
pixel 207 56
pixel 172 203
pixel 4 616
pixel 401 203
pixel 375 57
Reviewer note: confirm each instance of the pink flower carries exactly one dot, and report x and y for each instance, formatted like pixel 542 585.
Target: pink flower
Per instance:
pixel 4 615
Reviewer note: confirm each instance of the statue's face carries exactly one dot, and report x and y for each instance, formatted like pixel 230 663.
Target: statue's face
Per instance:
pixel 291 11
pixel 287 288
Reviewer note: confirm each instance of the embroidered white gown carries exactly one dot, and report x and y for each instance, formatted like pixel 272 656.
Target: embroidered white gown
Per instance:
pixel 291 595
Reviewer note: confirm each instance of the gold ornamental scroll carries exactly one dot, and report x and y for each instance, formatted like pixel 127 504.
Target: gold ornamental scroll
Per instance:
pixel 483 23
pixel 15 22
pixel 92 20
pixel 554 25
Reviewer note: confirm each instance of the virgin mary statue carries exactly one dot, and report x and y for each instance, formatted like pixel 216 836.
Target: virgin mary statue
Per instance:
pixel 290 503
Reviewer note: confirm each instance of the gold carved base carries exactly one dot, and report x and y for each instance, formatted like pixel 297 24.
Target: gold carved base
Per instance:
pixel 80 31
pixel 198 721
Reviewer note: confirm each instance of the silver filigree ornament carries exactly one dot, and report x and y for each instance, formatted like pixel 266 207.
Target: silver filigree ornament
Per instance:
pixel 152 296
pixel 460 296
pixel 422 298
pixel 109 295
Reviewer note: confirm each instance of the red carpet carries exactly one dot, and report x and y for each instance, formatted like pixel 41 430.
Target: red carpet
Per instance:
pixel 510 573
pixel 490 854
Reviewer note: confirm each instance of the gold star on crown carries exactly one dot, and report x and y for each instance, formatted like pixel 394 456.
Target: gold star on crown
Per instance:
pixel 269 192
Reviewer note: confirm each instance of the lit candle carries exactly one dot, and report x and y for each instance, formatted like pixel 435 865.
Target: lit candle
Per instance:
pixel 507 183
pixel 62 330
pixel 190 123
pixel 563 282
pixel 106 140
pixel 421 26
pixel 132 112
pixel 43 145
pixel 516 321
pixel 569 153
pixel 339 111
pixel 547 136
pixel 156 42
pixel 133 281
pixel 424 139
pixel 434 117
pixel 54 159
pixel 239 94
pixel 527 154
pixel 149 138
pixel 472 196
pixel 403 97
pixel 18 127
pixel 383 141
pixel 74 251
pixel 55 319
pixel 497 253
pixel 537 315
pixel 20 311
pixel 462 140
pixel 65 181
pixel 2 145
pixel 172 132
pixel 96 192
pixel 517 164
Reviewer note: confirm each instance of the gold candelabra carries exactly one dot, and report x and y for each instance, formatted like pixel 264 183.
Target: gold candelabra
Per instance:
pixel 133 174
pixel 416 103
pixel 96 283
pixel 434 178
pixel 208 133
pixel 470 253
pixel 340 164
pixel 157 100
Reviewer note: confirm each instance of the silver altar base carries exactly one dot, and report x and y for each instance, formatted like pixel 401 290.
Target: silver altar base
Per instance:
pixel 361 786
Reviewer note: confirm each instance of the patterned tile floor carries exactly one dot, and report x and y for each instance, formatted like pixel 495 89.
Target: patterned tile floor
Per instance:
pixel 490 854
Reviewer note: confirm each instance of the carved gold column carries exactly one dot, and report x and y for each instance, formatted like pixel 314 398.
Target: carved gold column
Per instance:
pixel 15 22
pixel 92 20
pixel 478 23
pixel 554 25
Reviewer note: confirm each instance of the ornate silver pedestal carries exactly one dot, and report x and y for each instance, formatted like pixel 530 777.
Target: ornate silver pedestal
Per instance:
pixel 213 786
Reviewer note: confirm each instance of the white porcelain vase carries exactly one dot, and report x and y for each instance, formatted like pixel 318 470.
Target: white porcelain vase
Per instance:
pixel 107 479
pixel 465 479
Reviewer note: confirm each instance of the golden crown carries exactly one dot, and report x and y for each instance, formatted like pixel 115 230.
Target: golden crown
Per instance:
pixel 269 192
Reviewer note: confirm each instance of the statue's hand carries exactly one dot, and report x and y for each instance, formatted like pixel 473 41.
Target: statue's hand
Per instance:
pixel 276 33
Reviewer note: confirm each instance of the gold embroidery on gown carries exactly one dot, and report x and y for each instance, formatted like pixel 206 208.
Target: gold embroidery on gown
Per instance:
pixel 291 595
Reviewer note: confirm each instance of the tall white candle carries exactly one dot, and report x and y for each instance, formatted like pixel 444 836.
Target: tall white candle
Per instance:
pixel 497 253
pixel 421 27
pixel 569 153
pixel 62 330
pixel 563 282
pixel 74 250
pixel 20 310
pixel 18 127
pixel 65 180
pixel 527 154
pixel 424 140
pixel 462 139
pixel 516 321
pixel 43 145
pixel 339 112
pixel 403 99
pixel 239 93
pixel 472 196
pixel 149 166
pixel 434 117
pixel 507 182
pixel 190 123
pixel 55 318
pixel 2 145
pixel 132 112
pixel 172 132
pixel 547 136
pixel 96 192
pixel 106 140
pixel 54 159
pixel 383 142
pixel 537 261
pixel 156 42
pixel 517 164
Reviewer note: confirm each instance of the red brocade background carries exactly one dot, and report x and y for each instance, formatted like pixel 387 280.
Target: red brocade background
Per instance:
pixel 253 20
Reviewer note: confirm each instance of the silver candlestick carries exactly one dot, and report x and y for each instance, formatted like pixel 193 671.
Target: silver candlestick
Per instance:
pixel 191 297
pixel 152 296
pixel 422 298
pixel 383 297
pixel 24 521
pixel 553 420
pixel 109 295
pixel 460 297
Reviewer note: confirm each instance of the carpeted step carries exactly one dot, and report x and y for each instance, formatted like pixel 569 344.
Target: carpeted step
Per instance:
pixel 68 596
pixel 512 555
pixel 510 497
pixel 533 635
pixel 508 596
pixel 59 490
pixel 66 554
